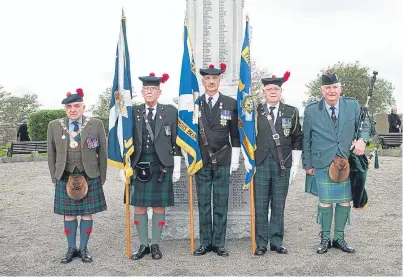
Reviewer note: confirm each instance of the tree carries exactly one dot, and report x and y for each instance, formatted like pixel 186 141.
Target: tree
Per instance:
pixel 355 80
pixel 15 109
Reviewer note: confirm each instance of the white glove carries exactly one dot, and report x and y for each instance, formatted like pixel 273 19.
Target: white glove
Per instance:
pixel 185 156
pixel 121 176
pixel 248 166
pixel 234 160
pixel 177 169
pixel 296 158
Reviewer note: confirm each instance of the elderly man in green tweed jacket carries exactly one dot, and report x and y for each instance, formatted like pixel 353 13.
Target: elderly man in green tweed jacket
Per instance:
pixel 330 130
pixel 77 147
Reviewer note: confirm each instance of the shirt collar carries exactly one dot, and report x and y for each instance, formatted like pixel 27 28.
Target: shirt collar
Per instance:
pixel 328 106
pixel 215 97
pixel 80 121
pixel 277 106
pixel 154 107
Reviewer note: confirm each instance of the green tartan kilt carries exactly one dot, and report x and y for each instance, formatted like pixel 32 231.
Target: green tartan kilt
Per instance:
pixel 329 191
pixel 153 193
pixel 92 203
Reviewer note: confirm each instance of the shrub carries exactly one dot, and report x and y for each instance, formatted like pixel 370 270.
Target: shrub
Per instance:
pixel 38 123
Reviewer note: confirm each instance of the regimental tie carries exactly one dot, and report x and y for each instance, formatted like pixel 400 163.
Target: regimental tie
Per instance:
pixel 75 129
pixel 333 116
pixel 271 112
pixel 210 102
pixel 150 114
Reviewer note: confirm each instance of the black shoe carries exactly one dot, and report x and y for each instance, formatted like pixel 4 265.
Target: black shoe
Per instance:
pixel 279 249
pixel 156 253
pixel 84 255
pixel 221 251
pixel 260 251
pixel 141 252
pixel 343 246
pixel 202 250
pixel 71 253
pixel 323 246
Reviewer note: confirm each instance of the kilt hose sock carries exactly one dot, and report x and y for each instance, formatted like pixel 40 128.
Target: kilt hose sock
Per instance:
pixel 325 218
pixel 141 222
pixel 85 232
pixel 70 230
pixel 342 216
pixel 158 225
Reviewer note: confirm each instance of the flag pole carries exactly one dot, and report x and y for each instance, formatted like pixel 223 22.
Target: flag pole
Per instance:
pixel 190 191
pixel 252 215
pixel 127 220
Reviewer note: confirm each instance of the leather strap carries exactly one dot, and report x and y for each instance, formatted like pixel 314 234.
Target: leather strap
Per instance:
pixel 276 138
pixel 150 131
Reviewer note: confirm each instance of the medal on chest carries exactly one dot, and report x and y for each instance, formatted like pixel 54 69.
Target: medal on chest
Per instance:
pixel 73 144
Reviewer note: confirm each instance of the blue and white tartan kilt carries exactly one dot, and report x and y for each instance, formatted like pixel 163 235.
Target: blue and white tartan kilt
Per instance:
pixel 330 192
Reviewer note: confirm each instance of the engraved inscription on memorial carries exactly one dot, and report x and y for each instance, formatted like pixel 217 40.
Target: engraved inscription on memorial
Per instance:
pixel 207 21
pixel 223 32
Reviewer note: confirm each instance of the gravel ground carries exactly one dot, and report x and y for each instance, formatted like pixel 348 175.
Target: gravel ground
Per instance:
pixel 32 239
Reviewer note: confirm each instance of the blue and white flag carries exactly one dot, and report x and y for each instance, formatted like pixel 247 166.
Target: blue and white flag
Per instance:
pixel 187 137
pixel 246 111
pixel 120 138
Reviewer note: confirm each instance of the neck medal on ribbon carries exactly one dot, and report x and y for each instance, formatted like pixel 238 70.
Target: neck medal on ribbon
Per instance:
pixel 73 134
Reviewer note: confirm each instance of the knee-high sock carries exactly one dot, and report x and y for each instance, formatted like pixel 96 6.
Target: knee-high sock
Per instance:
pixel 85 232
pixel 325 217
pixel 158 225
pixel 341 217
pixel 141 222
pixel 70 230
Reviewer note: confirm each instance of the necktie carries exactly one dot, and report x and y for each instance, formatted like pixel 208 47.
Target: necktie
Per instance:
pixel 333 116
pixel 75 129
pixel 150 114
pixel 271 112
pixel 210 102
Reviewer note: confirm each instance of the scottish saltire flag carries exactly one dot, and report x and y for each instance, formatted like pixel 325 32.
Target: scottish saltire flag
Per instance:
pixel 120 141
pixel 246 111
pixel 187 137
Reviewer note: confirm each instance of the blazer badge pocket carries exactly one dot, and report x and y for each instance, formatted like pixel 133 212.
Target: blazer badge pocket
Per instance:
pixel 92 142
pixel 167 130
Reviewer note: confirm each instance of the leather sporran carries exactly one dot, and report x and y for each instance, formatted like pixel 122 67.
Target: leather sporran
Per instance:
pixel 77 187
pixel 144 171
pixel 339 169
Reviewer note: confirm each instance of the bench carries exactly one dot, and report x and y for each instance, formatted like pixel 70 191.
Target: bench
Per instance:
pixel 389 140
pixel 27 147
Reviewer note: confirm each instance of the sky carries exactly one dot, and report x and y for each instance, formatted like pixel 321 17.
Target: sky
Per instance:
pixel 51 47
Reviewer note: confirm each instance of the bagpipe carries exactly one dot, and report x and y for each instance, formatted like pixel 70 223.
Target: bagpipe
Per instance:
pixel 359 164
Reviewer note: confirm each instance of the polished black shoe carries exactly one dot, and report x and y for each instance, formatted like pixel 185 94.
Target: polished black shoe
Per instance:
pixel 141 252
pixel 202 250
pixel 279 249
pixel 260 251
pixel 343 246
pixel 323 246
pixel 71 253
pixel 85 255
pixel 156 253
pixel 221 251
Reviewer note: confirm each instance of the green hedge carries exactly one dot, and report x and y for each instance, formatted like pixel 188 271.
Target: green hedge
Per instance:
pixel 38 123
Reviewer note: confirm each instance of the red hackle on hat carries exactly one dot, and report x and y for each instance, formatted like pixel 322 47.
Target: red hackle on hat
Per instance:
pixel 273 76
pixel 328 73
pixel 152 74
pixel 80 92
pixel 164 78
pixel 223 66
pixel 68 94
pixel 286 76
pixel 211 66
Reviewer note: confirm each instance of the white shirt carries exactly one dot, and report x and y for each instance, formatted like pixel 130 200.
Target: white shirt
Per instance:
pixel 215 98
pixel 154 111
pixel 275 111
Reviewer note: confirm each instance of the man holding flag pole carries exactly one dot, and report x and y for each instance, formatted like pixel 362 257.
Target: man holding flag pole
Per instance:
pixel 187 137
pixel 120 141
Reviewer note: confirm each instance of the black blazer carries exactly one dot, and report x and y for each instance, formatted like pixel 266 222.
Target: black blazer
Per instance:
pixel 264 140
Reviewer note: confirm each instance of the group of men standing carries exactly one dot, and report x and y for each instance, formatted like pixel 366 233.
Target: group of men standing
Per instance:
pixel 77 159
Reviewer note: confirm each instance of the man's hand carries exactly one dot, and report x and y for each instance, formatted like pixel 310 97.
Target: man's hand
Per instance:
pixel 177 169
pixel 310 171
pixel 234 159
pixel 293 172
pixel 359 147
pixel 102 183
pixel 54 184
pixel 176 176
pixel 233 167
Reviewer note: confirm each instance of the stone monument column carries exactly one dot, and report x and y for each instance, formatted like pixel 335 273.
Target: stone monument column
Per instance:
pixel 216 29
